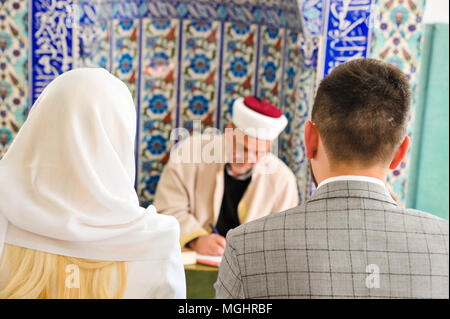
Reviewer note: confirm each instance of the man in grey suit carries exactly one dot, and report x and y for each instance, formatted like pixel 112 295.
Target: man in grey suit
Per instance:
pixel 351 239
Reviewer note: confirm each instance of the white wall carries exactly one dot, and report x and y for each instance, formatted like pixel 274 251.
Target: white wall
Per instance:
pixel 436 11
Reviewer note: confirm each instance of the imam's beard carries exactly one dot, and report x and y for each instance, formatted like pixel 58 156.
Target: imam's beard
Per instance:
pixel 312 174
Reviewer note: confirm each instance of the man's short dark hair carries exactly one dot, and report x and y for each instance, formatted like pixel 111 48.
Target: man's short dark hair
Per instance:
pixel 361 110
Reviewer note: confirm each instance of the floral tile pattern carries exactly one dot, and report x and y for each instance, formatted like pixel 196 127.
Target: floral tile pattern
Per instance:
pixel 270 64
pixel 297 104
pixel 397 39
pixel 125 62
pixel 290 103
pixel 13 69
pixel 199 72
pixel 312 16
pixel 158 101
pixel 239 65
pixel 93 45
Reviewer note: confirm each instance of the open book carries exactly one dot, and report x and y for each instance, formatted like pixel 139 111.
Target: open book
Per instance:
pixel 209 260
pixel 188 256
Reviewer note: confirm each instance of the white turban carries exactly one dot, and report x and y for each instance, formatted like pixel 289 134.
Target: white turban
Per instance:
pixel 258 118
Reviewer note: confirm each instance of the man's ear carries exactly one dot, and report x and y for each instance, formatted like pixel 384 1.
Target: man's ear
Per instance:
pixel 400 154
pixel 311 139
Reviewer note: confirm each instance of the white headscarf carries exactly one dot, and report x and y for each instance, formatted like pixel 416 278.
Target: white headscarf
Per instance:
pixel 66 182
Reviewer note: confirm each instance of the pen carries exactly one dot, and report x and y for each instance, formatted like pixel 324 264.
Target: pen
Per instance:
pixel 213 229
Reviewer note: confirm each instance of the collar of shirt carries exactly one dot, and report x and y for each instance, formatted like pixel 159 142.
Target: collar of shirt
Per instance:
pixel 352 178
pixel 239 177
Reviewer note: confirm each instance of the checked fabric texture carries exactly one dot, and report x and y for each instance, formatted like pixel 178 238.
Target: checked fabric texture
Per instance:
pixel 334 245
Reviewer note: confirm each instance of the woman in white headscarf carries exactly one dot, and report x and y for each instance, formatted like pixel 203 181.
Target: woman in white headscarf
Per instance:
pixel 70 221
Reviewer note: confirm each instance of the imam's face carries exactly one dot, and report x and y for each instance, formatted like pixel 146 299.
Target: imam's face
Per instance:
pixel 247 151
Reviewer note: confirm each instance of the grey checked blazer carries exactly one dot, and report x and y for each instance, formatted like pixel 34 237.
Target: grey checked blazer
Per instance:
pixel 350 240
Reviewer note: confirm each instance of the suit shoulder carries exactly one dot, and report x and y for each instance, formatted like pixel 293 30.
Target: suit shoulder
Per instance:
pixel 247 232
pixel 420 213
pixel 429 223
pixel 253 230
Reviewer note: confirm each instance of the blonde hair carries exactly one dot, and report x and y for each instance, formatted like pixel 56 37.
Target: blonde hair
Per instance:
pixel 36 274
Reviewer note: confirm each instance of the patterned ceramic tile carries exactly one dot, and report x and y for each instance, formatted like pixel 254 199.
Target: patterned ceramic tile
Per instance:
pixel 312 16
pixel 126 53
pixel 239 64
pixel 13 69
pixel 346 33
pixel 51 40
pixel 297 108
pixel 397 39
pixel 270 64
pixel 93 45
pixel 306 100
pixel 289 99
pixel 158 101
pixel 199 72
pixel 275 13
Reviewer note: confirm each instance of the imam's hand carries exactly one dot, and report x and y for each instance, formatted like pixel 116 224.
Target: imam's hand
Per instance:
pixel 211 244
